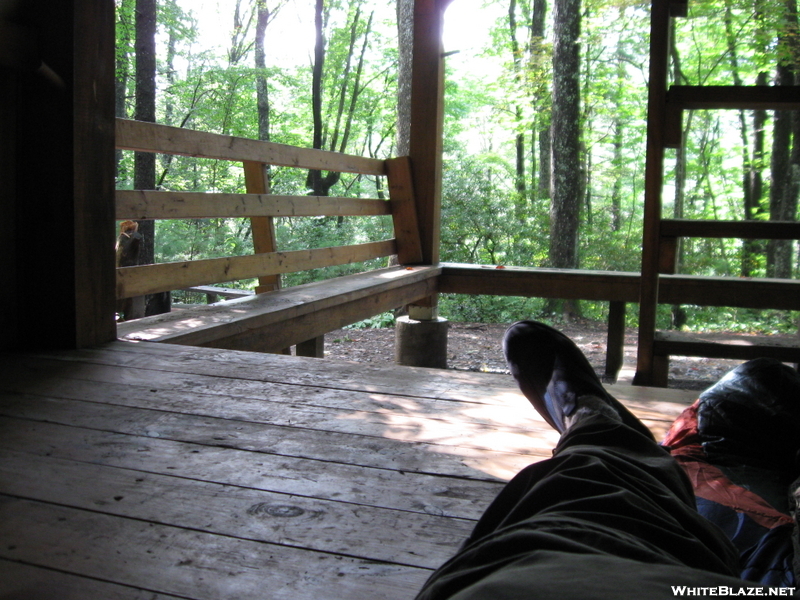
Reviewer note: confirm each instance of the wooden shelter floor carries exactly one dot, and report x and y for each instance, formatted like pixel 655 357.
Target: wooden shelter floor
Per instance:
pixel 142 470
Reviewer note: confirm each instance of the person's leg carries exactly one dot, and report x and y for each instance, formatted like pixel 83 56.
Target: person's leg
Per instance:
pixel 610 496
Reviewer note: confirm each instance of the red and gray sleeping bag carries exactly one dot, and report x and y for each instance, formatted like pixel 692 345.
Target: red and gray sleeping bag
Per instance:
pixel 739 443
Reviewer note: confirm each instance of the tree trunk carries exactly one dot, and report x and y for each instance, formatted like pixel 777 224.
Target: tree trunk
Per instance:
pixel 318 183
pixel 520 202
pixel 262 89
pixel 785 163
pixel 122 70
pixel 144 170
pixel 405 41
pixel 754 186
pixel 567 182
pixel 567 178
pixel 752 157
pixel 618 134
pixel 678 313
pixel 541 127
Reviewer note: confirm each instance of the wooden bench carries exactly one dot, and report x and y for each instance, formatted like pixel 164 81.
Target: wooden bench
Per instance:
pixel 656 347
pixel 719 345
pixel 213 293
pixel 274 319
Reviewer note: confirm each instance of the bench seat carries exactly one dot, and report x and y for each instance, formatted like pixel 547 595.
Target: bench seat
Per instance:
pixel 726 345
pixel 276 320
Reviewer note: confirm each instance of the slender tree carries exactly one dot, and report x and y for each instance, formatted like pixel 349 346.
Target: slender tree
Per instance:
pixel 125 36
pixel 405 44
pixel 144 170
pixel 264 15
pixel 567 182
pixel 784 166
pixel 520 205
pixel 333 133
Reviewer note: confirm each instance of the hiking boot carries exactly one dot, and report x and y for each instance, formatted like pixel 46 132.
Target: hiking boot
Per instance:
pixel 553 374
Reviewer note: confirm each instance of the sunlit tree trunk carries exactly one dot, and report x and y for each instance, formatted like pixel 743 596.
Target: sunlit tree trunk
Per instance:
pixel 785 165
pixel 335 136
pixel 541 126
pixel 752 156
pixel 405 42
pixel 262 89
pixel 520 202
pixel 567 182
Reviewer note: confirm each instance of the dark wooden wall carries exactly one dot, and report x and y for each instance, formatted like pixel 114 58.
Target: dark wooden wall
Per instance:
pixel 57 173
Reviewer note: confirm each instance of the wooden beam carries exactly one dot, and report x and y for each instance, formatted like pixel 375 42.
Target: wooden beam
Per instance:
pixel 149 279
pixel 539 283
pixel 617 286
pixel 660 25
pixel 427 114
pixel 756 230
pixel 56 121
pixel 745 97
pixel 741 292
pixel 147 204
pixel 313 348
pixel 291 330
pixel 615 346
pixel 219 291
pixel 93 95
pixel 152 137
pixel 404 211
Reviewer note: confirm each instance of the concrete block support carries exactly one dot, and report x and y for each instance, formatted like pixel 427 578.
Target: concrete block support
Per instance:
pixel 421 343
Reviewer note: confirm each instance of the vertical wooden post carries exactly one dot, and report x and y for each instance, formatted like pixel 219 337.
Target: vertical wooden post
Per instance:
pixel 425 141
pixel 263 228
pixel 404 211
pixel 654 177
pixel 615 346
pixel 93 187
pixel 61 97
pixel 427 116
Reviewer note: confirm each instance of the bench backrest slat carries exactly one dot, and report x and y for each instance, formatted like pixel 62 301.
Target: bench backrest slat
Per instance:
pixel 145 204
pixel 150 279
pixel 260 207
pixel 152 137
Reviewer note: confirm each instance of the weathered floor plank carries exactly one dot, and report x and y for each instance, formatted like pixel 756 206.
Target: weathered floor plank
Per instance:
pixel 140 470
pixel 399 537
pixel 185 562
pixel 19 581
pixel 382 488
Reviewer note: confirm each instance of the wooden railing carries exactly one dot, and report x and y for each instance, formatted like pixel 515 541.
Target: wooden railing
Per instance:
pixel 261 207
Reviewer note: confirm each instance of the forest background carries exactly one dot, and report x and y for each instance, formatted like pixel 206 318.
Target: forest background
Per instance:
pixel 544 132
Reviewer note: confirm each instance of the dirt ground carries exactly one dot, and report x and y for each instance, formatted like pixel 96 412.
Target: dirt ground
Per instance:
pixel 476 347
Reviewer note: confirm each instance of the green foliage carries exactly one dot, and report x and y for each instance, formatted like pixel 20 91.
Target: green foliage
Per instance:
pixel 386 319
pixel 494 210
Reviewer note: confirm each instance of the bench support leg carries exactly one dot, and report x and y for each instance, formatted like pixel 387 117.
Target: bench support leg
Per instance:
pixel 314 348
pixel 615 346
pixel 660 371
pixel 421 343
